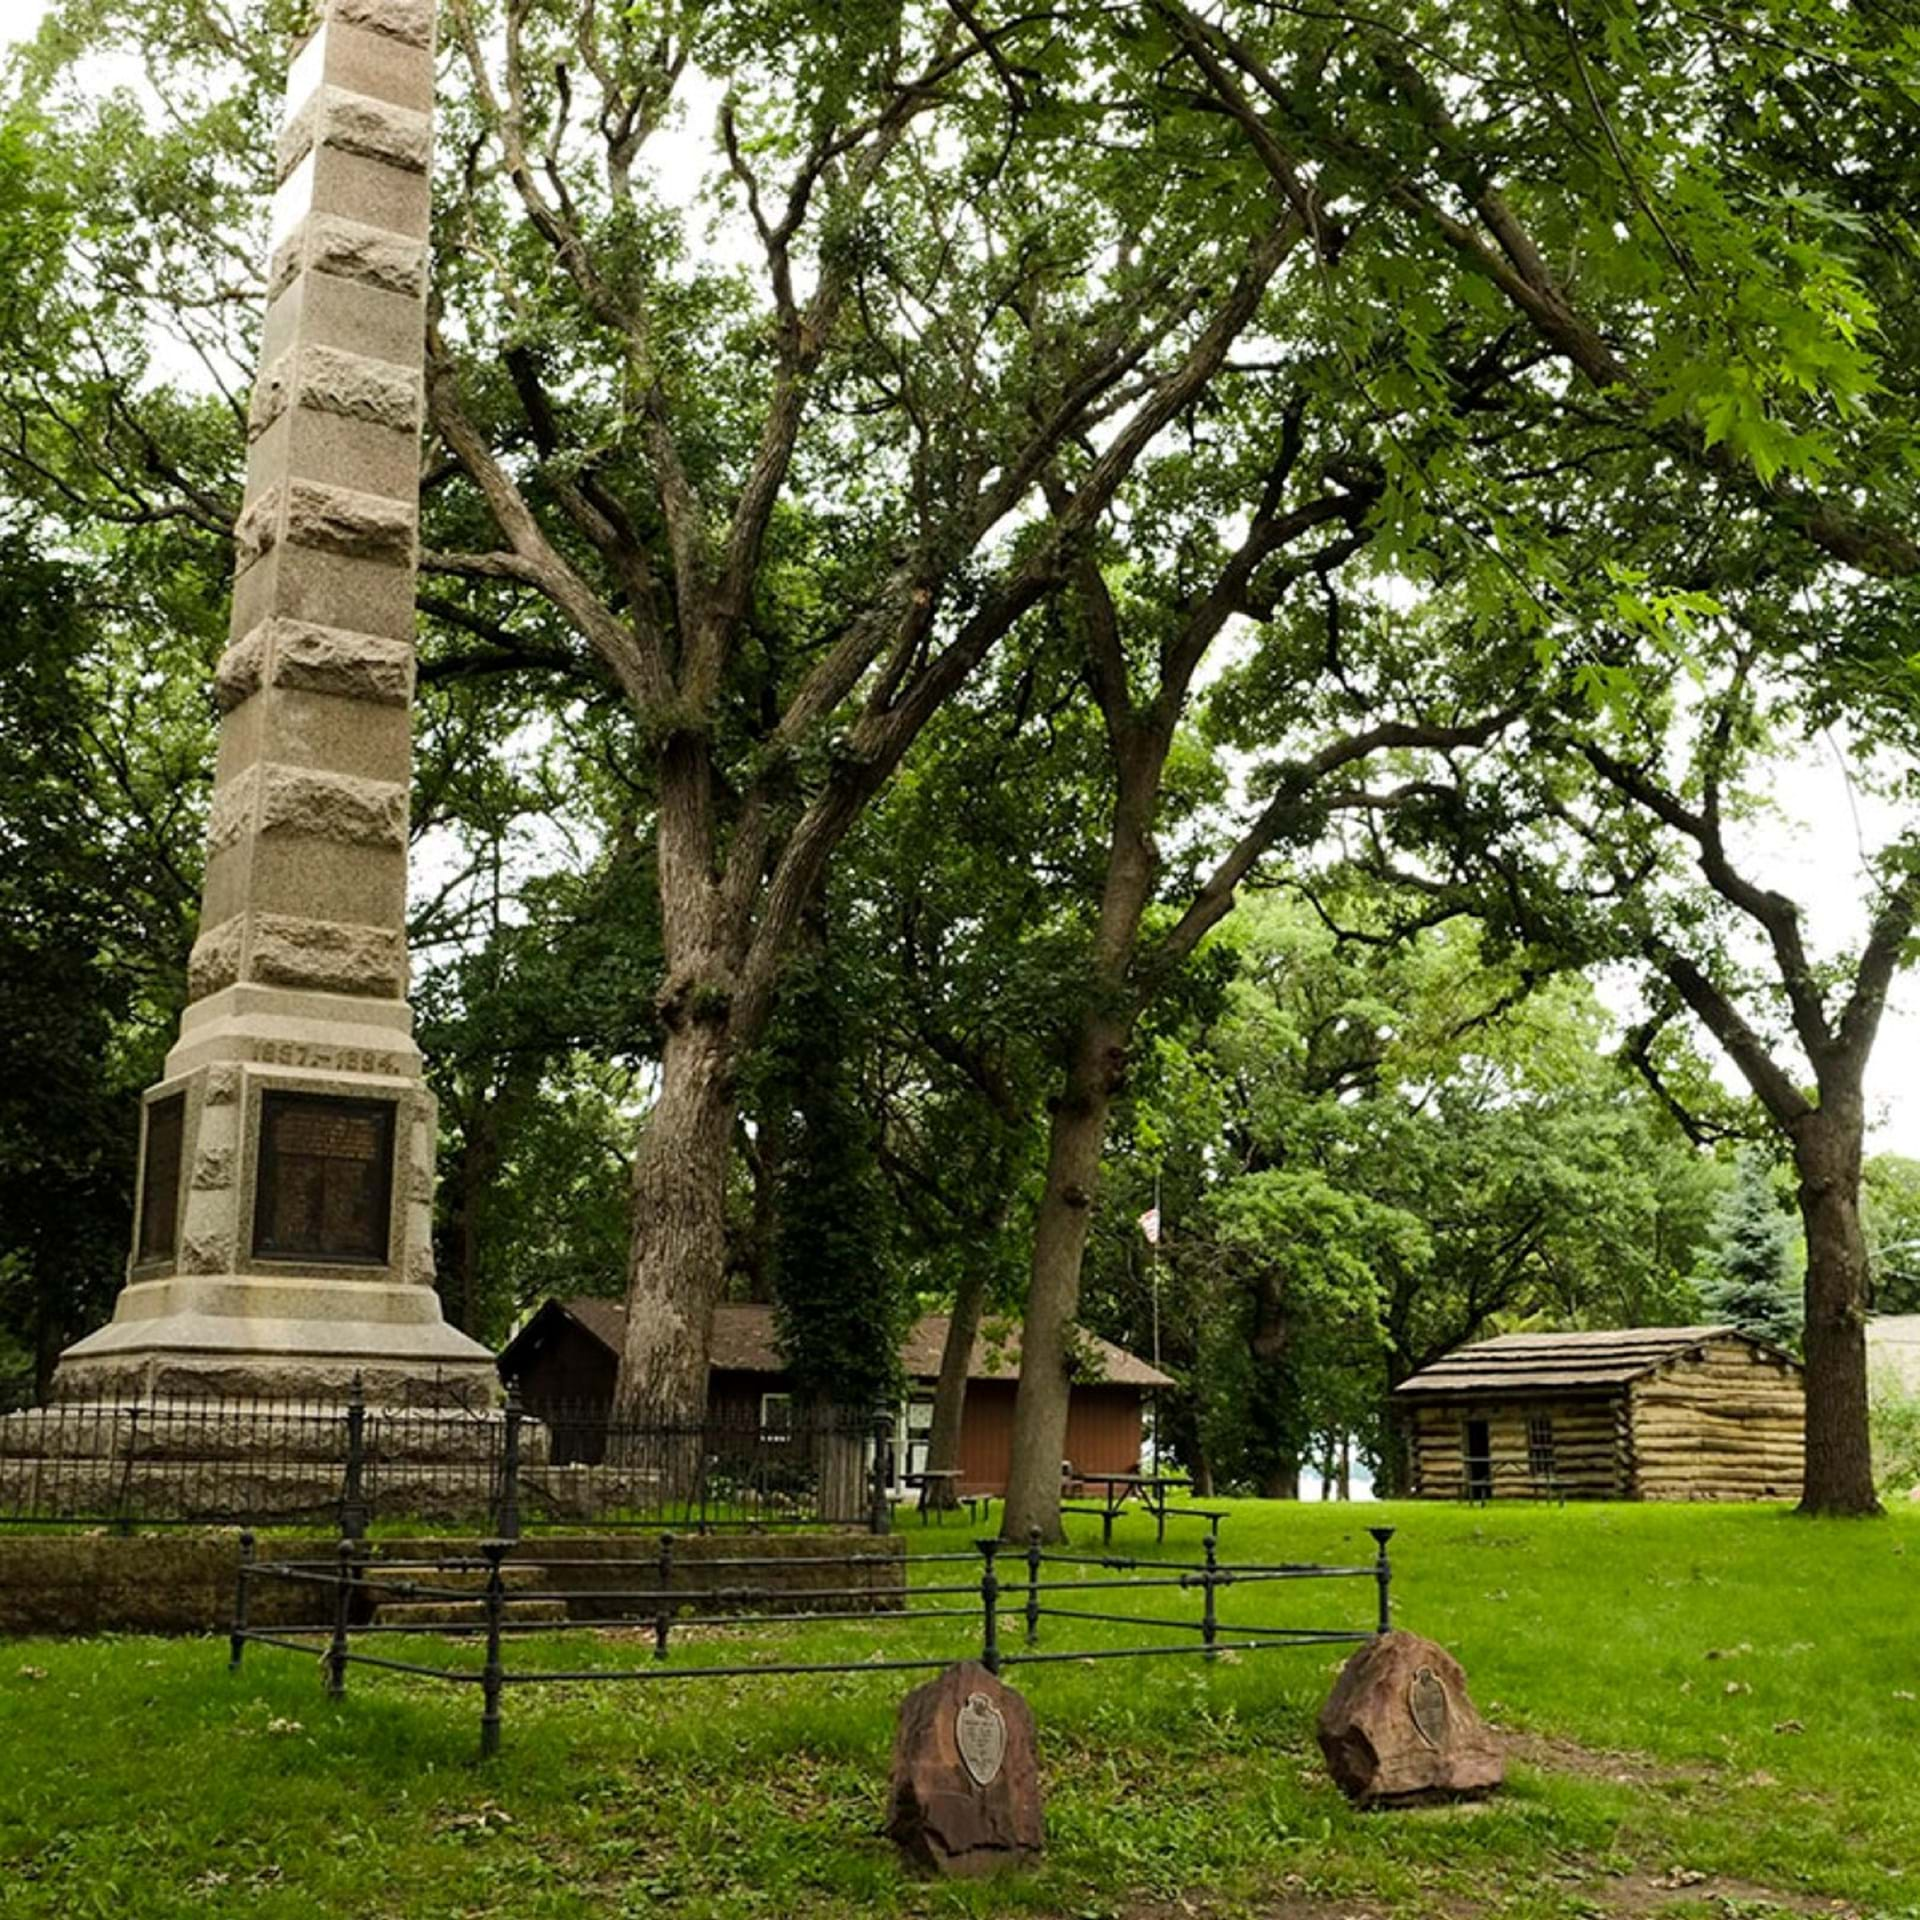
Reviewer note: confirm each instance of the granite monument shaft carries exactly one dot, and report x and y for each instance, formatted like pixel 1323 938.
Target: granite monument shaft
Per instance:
pixel 283 1218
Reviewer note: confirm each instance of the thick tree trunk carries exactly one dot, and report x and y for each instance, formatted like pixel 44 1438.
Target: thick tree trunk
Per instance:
pixel 840 1464
pixel 1826 1153
pixel 950 1392
pixel 679 1248
pixel 1074 1142
pixel 1281 1481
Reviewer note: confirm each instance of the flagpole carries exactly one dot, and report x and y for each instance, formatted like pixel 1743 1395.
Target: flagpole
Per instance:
pixel 1153 1268
pixel 1149 1225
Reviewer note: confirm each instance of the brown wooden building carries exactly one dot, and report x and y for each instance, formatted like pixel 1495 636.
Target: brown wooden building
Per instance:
pixel 1644 1413
pixel 563 1363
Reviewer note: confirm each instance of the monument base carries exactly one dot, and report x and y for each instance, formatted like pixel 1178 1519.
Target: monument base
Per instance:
pixel 284 1243
pixel 274 1337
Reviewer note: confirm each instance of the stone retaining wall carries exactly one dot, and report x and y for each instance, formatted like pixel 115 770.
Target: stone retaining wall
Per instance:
pixel 71 1584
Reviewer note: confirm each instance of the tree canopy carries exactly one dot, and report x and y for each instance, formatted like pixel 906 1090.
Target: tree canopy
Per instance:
pixel 1017 601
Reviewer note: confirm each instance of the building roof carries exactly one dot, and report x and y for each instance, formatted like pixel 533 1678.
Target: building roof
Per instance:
pixel 996 1355
pixel 746 1340
pixel 1544 1362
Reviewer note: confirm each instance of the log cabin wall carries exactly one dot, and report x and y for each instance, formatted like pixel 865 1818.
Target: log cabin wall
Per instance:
pixel 1538 1447
pixel 1727 1425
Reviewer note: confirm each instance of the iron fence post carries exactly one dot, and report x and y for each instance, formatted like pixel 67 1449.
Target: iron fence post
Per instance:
pixel 342 1610
pixel 1033 1586
pixel 663 1619
pixel 493 1676
pixel 880 1518
pixel 237 1640
pixel 1209 1604
pixel 353 1492
pixel 507 1520
pixel 122 1518
pixel 989 1607
pixel 1383 1576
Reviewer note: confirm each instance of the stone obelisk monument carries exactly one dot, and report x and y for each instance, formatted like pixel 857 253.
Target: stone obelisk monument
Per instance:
pixel 282 1234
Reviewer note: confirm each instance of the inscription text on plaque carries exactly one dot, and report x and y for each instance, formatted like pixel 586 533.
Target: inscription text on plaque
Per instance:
pixel 326 1178
pixel 160 1178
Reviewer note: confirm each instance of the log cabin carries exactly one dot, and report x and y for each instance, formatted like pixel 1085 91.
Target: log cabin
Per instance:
pixel 563 1361
pixel 1639 1413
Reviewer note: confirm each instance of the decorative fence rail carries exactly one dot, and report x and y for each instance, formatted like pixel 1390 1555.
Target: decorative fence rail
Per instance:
pixel 505 1591
pixel 243 1462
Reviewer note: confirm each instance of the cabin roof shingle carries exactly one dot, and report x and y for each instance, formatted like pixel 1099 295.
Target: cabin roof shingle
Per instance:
pixel 1543 1362
pixel 746 1340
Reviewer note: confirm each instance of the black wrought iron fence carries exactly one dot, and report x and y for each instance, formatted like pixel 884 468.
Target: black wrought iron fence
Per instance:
pixel 507 1589
pixel 200 1461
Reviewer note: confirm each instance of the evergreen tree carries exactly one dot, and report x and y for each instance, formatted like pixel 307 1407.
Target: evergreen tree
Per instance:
pixel 1745 1276
pixel 840 1303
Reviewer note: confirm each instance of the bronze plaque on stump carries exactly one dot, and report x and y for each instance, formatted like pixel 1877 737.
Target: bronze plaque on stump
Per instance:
pixel 326 1178
pixel 160 1178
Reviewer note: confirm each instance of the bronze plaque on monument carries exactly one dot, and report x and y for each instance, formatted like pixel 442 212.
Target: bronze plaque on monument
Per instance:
pixel 160 1178
pixel 326 1178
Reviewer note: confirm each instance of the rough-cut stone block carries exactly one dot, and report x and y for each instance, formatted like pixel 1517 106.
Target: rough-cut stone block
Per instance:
pixel 271 393
pixel 257 531
pixel 965 1795
pixel 206 1253
pixel 232 810
pixel 408 21
pixel 349 250
pixel 328 956
pixel 213 1169
pixel 333 806
pixel 215 961
pixel 363 526
pixel 355 666
pixel 1399 1727
pixel 356 123
pixel 325 380
pixel 359 388
pixel 241 671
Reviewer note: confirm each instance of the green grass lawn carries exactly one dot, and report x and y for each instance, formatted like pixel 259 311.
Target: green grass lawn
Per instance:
pixel 1718 1713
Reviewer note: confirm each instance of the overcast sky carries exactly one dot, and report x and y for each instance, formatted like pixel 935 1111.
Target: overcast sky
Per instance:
pixel 1811 851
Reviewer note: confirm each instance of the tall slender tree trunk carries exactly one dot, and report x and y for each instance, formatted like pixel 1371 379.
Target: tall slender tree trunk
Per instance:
pixel 1078 1132
pixel 1202 1473
pixel 950 1391
pixel 1074 1142
pixel 1827 1146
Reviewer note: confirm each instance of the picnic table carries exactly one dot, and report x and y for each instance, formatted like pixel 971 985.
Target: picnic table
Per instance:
pixel 1151 1490
pixel 939 1489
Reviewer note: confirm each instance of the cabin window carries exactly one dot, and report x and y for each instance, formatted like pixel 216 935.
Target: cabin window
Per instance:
pixel 776 1415
pixel 1540 1447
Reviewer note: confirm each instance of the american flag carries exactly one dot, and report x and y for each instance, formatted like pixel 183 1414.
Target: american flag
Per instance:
pixel 1150 1226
